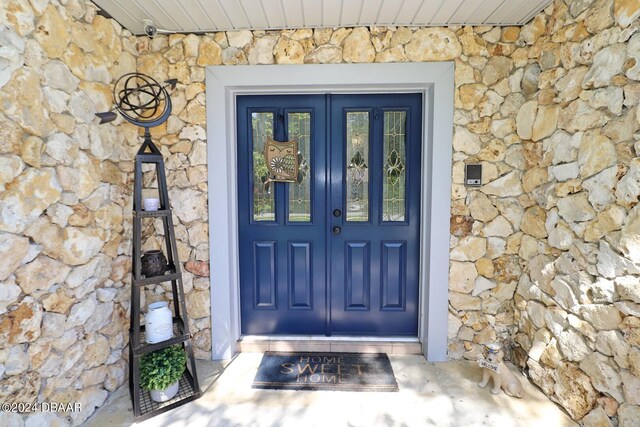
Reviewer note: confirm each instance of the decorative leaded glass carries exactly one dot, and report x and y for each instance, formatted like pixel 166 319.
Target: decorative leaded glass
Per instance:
pixel 357 152
pixel 299 129
pixel 394 159
pixel 263 195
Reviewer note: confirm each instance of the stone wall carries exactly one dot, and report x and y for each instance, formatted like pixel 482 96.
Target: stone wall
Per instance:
pixel 65 203
pixel 577 301
pixel 544 256
pixel 557 113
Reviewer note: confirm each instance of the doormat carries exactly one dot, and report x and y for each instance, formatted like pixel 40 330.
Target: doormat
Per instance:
pixel 325 371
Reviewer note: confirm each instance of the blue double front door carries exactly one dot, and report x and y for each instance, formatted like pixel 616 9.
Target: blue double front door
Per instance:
pixel 336 252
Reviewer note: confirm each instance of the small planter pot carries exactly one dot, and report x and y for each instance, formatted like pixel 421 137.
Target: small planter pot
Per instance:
pixel 153 263
pixel 158 324
pixel 151 204
pixel 166 394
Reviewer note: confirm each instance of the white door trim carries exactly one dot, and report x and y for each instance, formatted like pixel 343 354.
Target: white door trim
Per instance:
pixel 224 83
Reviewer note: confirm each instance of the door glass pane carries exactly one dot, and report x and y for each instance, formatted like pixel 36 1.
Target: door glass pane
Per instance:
pixel 393 165
pixel 299 129
pixel 263 200
pixel 357 147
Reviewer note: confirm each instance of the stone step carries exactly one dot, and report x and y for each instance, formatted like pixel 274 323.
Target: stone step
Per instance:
pixel 251 344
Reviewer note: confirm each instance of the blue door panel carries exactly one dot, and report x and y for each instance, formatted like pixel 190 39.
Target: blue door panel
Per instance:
pixel 357 287
pixel 394 267
pixel 265 275
pixel 328 275
pixel 297 258
pixel 300 276
pixel 384 317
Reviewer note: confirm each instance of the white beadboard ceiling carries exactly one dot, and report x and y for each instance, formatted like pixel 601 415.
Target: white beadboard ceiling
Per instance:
pixel 198 16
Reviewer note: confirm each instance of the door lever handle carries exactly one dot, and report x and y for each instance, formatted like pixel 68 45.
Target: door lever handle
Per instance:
pixel 337 230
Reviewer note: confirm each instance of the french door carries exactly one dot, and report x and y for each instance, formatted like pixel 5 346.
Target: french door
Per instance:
pixel 337 251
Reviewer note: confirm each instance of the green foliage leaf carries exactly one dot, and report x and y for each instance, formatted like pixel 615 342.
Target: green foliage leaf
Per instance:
pixel 161 368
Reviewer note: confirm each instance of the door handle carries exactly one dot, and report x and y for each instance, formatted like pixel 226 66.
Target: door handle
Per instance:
pixel 337 230
pixel 337 213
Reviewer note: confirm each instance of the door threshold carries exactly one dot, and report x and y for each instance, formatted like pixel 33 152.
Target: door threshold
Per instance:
pixel 320 343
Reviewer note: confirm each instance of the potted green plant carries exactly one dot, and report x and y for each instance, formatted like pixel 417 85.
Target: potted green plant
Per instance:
pixel 161 370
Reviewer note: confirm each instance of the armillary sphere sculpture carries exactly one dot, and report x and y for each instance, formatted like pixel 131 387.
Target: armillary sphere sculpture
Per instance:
pixel 143 101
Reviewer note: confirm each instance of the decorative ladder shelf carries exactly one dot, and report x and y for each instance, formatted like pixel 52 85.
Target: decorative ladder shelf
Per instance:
pixel 189 389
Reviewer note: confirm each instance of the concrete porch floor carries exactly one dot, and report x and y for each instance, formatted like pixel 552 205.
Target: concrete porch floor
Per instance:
pixel 431 394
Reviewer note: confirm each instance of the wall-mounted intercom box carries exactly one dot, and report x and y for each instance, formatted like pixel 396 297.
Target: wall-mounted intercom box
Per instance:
pixel 473 175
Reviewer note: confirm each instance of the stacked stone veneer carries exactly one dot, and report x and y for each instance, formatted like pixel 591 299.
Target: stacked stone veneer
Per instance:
pixel 577 311
pixel 545 256
pixel 65 191
pixel 65 211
